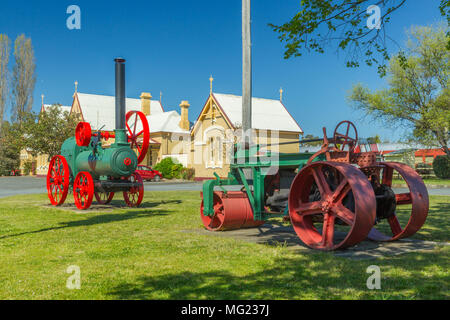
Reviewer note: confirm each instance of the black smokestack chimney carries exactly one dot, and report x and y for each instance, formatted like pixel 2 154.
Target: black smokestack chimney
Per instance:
pixel 120 93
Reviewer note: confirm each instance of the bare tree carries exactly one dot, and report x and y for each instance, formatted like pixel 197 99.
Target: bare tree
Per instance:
pixel 24 78
pixel 5 46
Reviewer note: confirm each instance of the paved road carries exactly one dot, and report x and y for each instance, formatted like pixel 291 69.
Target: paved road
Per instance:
pixel 10 186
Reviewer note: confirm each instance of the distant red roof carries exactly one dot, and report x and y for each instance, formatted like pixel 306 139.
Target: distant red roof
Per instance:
pixel 430 153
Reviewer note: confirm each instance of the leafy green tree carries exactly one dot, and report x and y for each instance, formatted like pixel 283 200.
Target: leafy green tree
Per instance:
pixel 311 144
pixel 5 44
pixel 10 146
pixel 23 78
pixel 39 134
pixel 52 128
pixel 375 139
pixel 418 97
pixel 320 23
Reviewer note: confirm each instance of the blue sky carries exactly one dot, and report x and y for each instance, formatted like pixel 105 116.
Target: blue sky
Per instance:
pixel 174 47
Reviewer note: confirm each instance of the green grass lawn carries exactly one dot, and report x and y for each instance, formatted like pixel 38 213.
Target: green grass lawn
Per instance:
pixel 144 254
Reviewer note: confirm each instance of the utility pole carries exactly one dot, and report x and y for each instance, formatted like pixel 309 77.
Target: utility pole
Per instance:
pixel 246 70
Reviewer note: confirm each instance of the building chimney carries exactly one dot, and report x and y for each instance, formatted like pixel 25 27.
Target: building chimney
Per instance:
pixel 145 103
pixel 184 123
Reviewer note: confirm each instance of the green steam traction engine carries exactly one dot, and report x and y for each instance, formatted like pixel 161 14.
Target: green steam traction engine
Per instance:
pixel 90 169
pixel 334 198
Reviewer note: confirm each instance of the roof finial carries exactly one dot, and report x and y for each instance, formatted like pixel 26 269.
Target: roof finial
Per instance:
pixel 160 96
pixel 76 86
pixel 281 94
pixel 211 84
pixel 42 96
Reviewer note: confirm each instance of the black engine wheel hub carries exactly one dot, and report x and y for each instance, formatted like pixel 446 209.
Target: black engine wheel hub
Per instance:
pixel 386 202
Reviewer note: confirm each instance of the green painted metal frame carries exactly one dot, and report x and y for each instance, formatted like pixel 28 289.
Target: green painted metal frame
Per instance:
pixel 260 165
pixel 71 151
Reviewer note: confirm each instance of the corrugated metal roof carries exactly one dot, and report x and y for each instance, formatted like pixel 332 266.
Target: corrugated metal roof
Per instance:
pixel 267 114
pixel 100 110
pixel 161 122
pixel 165 122
pixel 63 108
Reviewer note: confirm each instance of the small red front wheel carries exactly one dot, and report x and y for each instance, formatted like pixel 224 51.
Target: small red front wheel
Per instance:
pixel 104 197
pixel 58 179
pixel 83 190
pixel 133 198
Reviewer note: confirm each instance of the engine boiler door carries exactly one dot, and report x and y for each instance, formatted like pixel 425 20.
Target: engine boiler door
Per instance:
pixel 83 134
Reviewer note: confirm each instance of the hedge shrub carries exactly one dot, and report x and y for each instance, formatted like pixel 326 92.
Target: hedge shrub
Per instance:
pixel 169 169
pixel 188 174
pixel 441 167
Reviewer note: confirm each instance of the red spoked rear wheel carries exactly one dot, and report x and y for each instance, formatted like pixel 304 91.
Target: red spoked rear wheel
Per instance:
pixel 411 207
pixel 58 180
pixel 138 133
pixel 104 197
pixel 83 190
pixel 332 205
pixel 133 198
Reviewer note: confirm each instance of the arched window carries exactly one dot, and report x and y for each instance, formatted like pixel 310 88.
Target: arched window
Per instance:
pixel 218 151
pixel 214 140
pixel 211 150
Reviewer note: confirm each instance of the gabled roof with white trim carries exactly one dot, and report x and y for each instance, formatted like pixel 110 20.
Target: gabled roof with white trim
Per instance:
pixel 166 122
pixel 45 107
pixel 267 114
pixel 161 122
pixel 100 110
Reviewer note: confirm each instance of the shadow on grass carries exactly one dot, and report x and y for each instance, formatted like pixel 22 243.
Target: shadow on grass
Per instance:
pixel 122 204
pixel 99 219
pixel 117 204
pixel 310 276
pixel 436 227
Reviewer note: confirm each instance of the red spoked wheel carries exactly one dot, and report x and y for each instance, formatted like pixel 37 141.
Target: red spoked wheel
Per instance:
pixel 348 138
pixel 336 196
pixel 58 180
pixel 83 134
pixel 133 198
pixel 232 210
pixel 104 197
pixel 410 207
pixel 83 190
pixel 138 133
